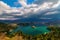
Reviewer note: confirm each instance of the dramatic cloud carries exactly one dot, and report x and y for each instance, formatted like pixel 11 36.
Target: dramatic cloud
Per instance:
pixel 23 2
pixel 4 5
pixel 8 18
pixel 42 1
pixel 38 9
pixel 56 5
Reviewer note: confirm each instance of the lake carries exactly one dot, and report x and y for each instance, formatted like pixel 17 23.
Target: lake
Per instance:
pixel 29 30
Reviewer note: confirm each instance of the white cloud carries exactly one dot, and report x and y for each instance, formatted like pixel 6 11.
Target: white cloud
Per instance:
pixel 31 8
pixel 50 13
pixel 56 5
pixel 27 10
pixel 9 18
pixel 43 6
pixel 4 5
pixel 23 2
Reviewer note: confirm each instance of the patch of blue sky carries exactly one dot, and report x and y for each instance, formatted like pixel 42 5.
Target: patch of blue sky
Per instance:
pixel 30 1
pixel 12 3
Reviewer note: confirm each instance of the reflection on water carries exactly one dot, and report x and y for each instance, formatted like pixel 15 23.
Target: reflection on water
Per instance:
pixel 29 30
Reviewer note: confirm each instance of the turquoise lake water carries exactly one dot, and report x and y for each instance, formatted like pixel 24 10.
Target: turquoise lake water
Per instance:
pixel 32 31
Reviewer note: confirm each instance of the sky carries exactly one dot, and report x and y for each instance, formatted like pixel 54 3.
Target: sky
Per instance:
pixel 14 3
pixel 29 9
